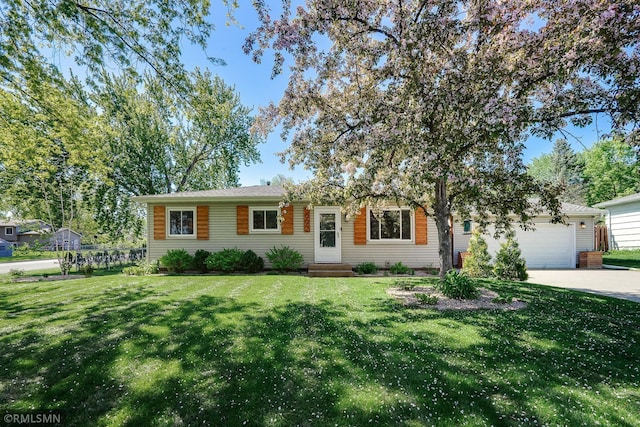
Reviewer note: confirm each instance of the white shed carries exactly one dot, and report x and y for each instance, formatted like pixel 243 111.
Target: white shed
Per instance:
pixel 623 221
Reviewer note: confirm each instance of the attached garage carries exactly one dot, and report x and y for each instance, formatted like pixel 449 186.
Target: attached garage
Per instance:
pixel 549 246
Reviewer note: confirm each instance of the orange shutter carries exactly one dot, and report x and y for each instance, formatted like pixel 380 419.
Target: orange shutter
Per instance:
pixel 159 223
pixel 306 219
pixel 360 228
pixel 242 219
pixel 286 226
pixel 421 227
pixel 202 215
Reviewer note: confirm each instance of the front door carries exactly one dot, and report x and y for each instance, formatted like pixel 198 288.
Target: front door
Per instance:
pixel 327 228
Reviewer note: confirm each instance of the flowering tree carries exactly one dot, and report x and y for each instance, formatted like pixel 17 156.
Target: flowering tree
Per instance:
pixel 429 102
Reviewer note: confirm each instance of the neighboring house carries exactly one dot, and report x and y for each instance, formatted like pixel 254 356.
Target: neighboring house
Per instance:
pixel 623 221
pixel 31 238
pixel 33 232
pixel 248 218
pixel 8 231
pixel 6 248
pixel 65 239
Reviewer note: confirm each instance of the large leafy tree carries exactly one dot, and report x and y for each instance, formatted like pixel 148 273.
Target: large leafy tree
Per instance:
pixel 612 170
pixel 37 39
pixel 161 143
pixel 50 155
pixel 48 149
pixel 428 102
pixel 130 34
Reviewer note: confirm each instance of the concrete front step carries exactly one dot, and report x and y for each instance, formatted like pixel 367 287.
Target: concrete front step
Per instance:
pixel 330 270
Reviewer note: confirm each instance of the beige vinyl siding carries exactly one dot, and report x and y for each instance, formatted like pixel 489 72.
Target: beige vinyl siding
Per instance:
pixel 386 254
pixel 625 226
pixel 222 233
pixel 584 237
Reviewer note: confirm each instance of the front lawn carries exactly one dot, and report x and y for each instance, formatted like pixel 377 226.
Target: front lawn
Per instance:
pixel 289 350
pixel 625 258
pixel 21 255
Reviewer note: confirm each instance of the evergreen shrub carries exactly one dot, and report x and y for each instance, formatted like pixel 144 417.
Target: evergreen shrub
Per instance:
pixel 509 263
pixel 200 260
pixel 251 262
pixel 478 262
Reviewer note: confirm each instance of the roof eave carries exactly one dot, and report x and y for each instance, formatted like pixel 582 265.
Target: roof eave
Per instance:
pixel 606 205
pixel 209 199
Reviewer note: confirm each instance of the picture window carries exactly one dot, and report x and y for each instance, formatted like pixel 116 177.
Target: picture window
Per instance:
pixel 181 222
pixel 391 224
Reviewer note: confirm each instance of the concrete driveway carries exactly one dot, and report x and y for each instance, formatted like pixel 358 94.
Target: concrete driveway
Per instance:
pixel 623 284
pixel 42 264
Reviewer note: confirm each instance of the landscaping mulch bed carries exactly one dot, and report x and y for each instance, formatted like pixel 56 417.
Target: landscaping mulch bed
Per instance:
pixel 484 301
pixel 51 278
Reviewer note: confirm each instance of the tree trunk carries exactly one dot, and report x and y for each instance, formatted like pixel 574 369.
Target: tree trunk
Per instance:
pixel 442 212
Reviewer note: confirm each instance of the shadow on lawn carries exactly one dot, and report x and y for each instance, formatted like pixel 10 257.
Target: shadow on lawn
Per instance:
pixel 140 357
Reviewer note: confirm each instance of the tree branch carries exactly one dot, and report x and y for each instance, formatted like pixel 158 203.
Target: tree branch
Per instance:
pixel 369 28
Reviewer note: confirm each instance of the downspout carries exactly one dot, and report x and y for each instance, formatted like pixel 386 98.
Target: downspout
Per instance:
pixel 609 234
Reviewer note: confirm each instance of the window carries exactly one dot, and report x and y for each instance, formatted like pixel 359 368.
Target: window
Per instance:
pixel 264 220
pixel 392 224
pixel 466 226
pixel 8 231
pixel 181 222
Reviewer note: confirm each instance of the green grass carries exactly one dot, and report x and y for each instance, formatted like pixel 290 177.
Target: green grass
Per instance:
pixel 289 350
pixel 625 258
pixel 29 256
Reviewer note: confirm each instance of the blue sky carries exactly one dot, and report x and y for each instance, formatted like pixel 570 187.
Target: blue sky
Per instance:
pixel 256 88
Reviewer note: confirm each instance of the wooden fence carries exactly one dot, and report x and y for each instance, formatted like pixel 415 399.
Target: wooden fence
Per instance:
pixel 601 238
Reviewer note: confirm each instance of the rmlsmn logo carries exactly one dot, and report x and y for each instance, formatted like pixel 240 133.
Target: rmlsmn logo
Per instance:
pixel 33 418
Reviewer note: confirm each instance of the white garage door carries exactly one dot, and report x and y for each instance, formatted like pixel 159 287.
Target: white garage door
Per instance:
pixel 549 246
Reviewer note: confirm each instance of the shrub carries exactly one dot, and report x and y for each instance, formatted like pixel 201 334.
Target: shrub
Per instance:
pixel 366 268
pixel 400 268
pixel 458 285
pixel 432 270
pixel 509 263
pixel 427 299
pixel 200 260
pixel 16 272
pixel 285 259
pixel 478 262
pixel 87 270
pixel 251 262
pixel 227 260
pixel 177 260
pixel 141 269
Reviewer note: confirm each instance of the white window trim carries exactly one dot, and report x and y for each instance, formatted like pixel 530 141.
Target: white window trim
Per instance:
pixel 182 209
pixel 392 241
pixel 6 231
pixel 260 230
pixel 466 233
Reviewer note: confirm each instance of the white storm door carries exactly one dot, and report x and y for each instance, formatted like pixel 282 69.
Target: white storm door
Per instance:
pixel 327 231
